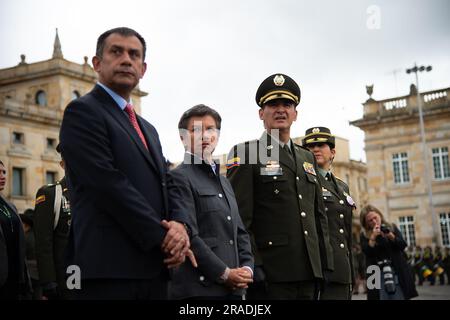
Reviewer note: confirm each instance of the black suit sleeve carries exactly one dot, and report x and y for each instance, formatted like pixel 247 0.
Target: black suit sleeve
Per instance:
pixel 87 151
pixel 244 246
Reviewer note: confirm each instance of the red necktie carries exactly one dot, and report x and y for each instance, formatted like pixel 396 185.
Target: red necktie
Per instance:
pixel 129 110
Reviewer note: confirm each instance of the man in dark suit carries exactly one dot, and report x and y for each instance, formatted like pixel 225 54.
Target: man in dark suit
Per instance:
pixel 339 207
pixel 121 234
pixel 279 198
pixel 220 242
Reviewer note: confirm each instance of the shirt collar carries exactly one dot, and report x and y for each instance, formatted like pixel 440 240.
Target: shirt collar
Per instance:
pixel 121 102
pixel 280 142
pixel 324 172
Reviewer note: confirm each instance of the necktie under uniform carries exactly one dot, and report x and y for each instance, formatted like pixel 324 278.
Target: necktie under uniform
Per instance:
pixel 289 152
pixel 132 116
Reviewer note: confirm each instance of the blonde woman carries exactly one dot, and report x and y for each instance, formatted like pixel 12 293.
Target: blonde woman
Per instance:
pixel 383 245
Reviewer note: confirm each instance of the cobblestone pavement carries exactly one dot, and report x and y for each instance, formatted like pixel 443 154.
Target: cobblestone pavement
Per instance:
pixel 426 292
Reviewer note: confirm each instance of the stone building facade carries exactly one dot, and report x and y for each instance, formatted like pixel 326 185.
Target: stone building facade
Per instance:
pixel 397 175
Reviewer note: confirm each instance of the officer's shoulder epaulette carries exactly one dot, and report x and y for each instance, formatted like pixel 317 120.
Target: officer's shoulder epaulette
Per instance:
pixel 341 181
pixel 47 186
pixel 43 193
pixel 300 146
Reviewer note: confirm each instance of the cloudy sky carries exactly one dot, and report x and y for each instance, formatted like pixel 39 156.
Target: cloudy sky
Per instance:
pixel 217 52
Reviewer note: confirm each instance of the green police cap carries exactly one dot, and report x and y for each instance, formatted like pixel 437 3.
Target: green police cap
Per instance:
pixel 278 86
pixel 318 135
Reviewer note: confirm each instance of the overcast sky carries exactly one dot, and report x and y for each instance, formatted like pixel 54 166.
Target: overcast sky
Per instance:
pixel 218 52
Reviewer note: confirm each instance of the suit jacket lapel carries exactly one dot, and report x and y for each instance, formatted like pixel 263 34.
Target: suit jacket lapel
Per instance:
pixel 110 105
pixel 152 144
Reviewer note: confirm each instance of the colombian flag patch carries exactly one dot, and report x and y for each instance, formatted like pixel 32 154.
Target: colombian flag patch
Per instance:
pixel 40 199
pixel 234 162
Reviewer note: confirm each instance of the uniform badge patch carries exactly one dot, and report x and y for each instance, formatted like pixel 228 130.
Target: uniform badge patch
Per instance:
pixel 272 168
pixel 234 162
pixel 349 199
pixel 278 80
pixel 309 168
pixel 40 199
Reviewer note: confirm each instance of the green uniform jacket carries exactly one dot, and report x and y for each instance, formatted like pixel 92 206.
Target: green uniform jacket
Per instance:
pixel 284 214
pixel 339 208
pixel 51 244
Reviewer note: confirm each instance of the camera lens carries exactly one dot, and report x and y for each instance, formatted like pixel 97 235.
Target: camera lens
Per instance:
pixel 389 281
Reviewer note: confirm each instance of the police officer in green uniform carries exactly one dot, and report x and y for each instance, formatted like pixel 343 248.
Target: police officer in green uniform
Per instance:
pixel 339 207
pixel 280 200
pixel 51 227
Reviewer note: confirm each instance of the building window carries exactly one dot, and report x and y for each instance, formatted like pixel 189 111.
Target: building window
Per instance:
pixel 444 219
pixel 51 143
pixel 50 177
pixel 406 225
pixel 17 187
pixel 18 138
pixel 440 163
pixel 362 184
pixel 41 98
pixel 75 94
pixel 400 165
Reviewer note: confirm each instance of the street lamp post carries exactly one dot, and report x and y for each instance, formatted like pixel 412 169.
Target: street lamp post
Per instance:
pixel 427 174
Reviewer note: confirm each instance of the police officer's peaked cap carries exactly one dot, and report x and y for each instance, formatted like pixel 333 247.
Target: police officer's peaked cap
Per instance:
pixel 278 86
pixel 318 135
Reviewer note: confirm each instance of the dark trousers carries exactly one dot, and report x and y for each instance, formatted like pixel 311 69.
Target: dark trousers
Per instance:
pixel 122 289
pixel 336 291
pixel 298 290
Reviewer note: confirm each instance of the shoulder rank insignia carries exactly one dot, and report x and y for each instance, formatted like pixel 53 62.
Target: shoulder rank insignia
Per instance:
pixel 234 162
pixel 309 168
pixel 40 199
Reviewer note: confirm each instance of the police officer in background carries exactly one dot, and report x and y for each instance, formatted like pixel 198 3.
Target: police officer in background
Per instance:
pixel 51 228
pixel 280 200
pixel 338 206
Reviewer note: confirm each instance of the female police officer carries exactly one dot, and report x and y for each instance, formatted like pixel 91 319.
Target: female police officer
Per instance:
pixel 338 206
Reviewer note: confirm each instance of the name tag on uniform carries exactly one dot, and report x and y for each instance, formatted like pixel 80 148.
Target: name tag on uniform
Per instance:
pixel 326 193
pixel 272 169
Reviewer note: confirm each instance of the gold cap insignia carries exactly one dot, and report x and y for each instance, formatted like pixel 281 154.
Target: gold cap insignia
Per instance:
pixel 278 80
pixel 316 130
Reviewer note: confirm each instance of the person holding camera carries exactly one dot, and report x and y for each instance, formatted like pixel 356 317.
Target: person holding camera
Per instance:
pixel 383 245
